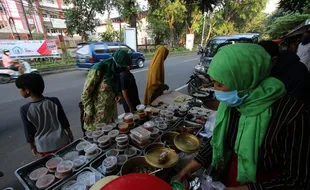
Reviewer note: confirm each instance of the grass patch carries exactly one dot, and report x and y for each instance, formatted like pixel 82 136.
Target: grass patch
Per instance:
pixel 55 64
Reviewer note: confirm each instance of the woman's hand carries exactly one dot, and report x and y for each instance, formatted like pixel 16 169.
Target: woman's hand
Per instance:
pixel 118 98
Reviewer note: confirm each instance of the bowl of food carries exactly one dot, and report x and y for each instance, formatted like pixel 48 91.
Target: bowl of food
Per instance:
pixel 151 146
pixel 136 165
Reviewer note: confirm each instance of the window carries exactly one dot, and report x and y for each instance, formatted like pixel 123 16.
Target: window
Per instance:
pixel 100 48
pixel 50 1
pixel 113 48
pixel 82 49
pixel 44 15
pixel 126 48
pixel 54 31
pixel 53 16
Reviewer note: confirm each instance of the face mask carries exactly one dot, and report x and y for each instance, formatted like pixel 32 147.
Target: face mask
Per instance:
pixel 7 53
pixel 230 99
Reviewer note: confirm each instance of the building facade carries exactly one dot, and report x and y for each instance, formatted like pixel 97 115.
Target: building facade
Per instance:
pixel 18 19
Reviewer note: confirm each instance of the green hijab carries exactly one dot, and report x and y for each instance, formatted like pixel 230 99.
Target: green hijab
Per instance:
pixel 244 67
pixel 113 66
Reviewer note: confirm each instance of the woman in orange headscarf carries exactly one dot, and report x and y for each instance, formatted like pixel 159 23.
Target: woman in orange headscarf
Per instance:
pixel 155 81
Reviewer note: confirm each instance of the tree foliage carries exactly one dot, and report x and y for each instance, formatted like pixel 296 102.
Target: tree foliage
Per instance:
pixel 295 5
pixel 283 24
pixel 110 34
pixel 82 17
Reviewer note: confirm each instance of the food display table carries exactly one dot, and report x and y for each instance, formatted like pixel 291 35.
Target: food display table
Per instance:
pixel 125 147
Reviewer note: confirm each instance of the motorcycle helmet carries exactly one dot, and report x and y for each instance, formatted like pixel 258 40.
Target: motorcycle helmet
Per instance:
pixel 5 50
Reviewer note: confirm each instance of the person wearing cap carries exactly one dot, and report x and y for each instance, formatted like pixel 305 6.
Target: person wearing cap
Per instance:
pixel 8 62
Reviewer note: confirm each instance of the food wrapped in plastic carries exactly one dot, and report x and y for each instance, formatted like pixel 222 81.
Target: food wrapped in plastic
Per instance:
pixel 79 161
pixel 140 133
pixel 70 155
pixel 53 163
pixel 45 181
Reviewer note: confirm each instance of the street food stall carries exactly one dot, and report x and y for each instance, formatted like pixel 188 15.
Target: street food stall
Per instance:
pixel 158 140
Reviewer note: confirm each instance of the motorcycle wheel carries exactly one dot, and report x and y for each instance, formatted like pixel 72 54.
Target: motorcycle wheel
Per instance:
pixel 193 85
pixel 4 79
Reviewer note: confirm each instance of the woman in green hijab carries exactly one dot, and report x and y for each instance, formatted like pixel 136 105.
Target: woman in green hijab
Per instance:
pixel 102 90
pixel 261 135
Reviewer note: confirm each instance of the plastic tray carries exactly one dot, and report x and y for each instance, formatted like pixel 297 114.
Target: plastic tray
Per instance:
pixel 71 147
pixel 97 163
pixel 59 186
pixel 23 172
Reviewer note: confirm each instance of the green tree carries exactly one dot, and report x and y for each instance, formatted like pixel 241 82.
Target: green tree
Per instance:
pixel 283 24
pixel 82 17
pixel 110 34
pixel 295 5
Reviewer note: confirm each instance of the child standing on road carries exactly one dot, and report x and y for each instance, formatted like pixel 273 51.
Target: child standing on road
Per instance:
pixel 46 126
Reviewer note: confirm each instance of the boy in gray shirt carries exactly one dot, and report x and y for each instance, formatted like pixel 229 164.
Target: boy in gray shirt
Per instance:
pixel 46 126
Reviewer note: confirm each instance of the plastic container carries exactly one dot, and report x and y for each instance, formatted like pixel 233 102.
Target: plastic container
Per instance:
pixel 70 155
pixel 89 135
pixel 182 110
pixel 140 108
pixel 79 161
pixel 106 129
pixel 123 127
pixel 169 115
pixel 159 120
pixel 67 185
pixel 112 152
pixel 65 167
pixel 80 147
pixel 87 178
pixel 140 133
pixel 78 186
pixel 112 134
pixel 61 176
pixel 121 139
pixel 104 140
pixel 45 181
pixel 171 108
pixel 163 113
pixel 121 159
pixel 113 125
pixel 138 142
pixel 53 163
pixel 155 132
pixel 148 110
pixel 128 118
pixel 130 152
pixel 119 121
pixel 155 112
pixel 162 126
pixel 91 148
pixel 109 163
pixel 100 126
pixel 149 125
pixel 38 173
pixel 122 147
pixel 97 135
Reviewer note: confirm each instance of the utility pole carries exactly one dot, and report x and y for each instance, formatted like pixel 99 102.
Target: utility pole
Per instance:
pixel 27 23
pixel 203 28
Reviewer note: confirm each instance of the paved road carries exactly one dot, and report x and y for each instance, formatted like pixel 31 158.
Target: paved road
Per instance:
pixel 67 87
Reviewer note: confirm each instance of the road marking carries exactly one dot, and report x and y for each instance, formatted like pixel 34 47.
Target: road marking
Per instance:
pixel 190 60
pixel 178 89
pixel 141 70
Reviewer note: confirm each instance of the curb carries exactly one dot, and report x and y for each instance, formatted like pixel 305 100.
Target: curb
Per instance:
pixel 68 68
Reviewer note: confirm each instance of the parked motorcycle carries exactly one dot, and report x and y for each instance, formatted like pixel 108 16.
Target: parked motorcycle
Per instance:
pixel 6 75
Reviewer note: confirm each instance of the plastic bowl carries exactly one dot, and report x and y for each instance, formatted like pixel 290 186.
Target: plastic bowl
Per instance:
pixel 103 140
pixel 38 173
pixel 109 163
pixel 91 148
pixel 79 161
pixel 128 118
pixel 123 127
pixel 122 139
pixel 65 167
pixel 70 155
pixel 130 152
pixel 112 134
pixel 149 125
pixel 53 163
pixel 97 135
pixel 169 115
pixel 80 147
pixel 45 181
pixel 106 129
pixel 112 152
pixel 121 159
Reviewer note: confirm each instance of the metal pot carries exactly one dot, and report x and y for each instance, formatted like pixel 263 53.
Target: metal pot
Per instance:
pixel 131 165
pixel 151 146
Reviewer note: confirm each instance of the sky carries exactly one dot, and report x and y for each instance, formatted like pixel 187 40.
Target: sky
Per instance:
pixel 271 6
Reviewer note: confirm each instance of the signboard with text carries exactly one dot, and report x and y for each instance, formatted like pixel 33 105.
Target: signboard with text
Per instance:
pixel 23 49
